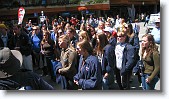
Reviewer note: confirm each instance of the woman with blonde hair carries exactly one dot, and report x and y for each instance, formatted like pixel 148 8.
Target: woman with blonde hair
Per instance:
pixel 83 35
pixel 125 60
pixel 68 61
pixel 106 56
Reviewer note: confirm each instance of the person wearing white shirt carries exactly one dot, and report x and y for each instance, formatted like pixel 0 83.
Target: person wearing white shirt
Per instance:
pixel 156 32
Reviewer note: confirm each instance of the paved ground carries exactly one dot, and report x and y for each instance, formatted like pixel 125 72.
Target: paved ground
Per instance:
pixel 135 85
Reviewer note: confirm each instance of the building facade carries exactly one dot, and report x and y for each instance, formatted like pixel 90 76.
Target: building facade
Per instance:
pixel 55 8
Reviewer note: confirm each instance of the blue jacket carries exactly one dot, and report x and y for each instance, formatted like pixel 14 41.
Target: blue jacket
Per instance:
pixel 134 41
pixel 89 75
pixel 128 60
pixel 36 41
pixel 108 61
pixel 52 36
pixel 59 78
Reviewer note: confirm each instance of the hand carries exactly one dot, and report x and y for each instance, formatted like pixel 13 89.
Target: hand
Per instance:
pixel 59 71
pixel 42 51
pixel 148 80
pixel 76 82
pixel 105 75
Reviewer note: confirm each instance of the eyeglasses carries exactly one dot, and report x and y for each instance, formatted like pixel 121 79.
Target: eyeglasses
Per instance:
pixel 121 36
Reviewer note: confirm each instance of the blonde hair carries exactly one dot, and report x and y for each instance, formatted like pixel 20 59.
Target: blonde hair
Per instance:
pixel 65 38
pixel 84 44
pixel 84 35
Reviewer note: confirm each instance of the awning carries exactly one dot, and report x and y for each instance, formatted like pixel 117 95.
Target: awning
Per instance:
pixel 81 8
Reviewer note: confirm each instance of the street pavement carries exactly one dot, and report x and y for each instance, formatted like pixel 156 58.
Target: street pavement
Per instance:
pixel 135 85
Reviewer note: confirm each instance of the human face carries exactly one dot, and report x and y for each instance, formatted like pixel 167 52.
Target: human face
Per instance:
pixel 107 24
pixel 61 43
pixel 157 24
pixel 92 31
pixel 145 42
pixel 79 50
pixel 45 36
pixel 35 30
pixel 16 30
pixel 80 38
pixel 121 38
pixel 69 33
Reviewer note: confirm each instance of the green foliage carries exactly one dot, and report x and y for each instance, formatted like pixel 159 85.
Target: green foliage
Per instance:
pixel 100 1
pixel 75 1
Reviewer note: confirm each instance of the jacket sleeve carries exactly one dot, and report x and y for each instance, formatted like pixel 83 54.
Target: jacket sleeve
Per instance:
pixel 156 60
pixel 71 63
pixel 130 58
pixel 95 78
pixel 26 47
pixel 110 59
pixel 77 76
pixel 136 43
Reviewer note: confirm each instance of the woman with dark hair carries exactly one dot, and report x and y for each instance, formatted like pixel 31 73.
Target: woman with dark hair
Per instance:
pixel 47 50
pixel 106 56
pixel 89 72
pixel 151 60
pixel 93 38
pixel 133 39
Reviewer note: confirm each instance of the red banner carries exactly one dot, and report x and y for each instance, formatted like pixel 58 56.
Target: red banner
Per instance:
pixel 21 13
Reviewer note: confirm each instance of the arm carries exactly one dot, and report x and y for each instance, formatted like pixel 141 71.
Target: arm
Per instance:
pixel 26 46
pixel 156 60
pixel 95 77
pixel 110 59
pixel 71 63
pixel 136 43
pixel 130 58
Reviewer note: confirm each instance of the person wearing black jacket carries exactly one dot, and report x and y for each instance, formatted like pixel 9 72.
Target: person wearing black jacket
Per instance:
pixel 21 42
pixel 12 77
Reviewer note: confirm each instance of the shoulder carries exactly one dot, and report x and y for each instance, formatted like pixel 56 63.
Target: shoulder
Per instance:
pixel 109 47
pixel 129 47
pixel 155 53
pixel 71 51
pixel 92 58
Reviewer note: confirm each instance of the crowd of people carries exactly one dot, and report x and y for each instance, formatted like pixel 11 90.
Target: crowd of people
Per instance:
pixel 79 54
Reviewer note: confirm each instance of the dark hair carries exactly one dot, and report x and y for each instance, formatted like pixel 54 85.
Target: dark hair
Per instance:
pixel 103 41
pixel 49 38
